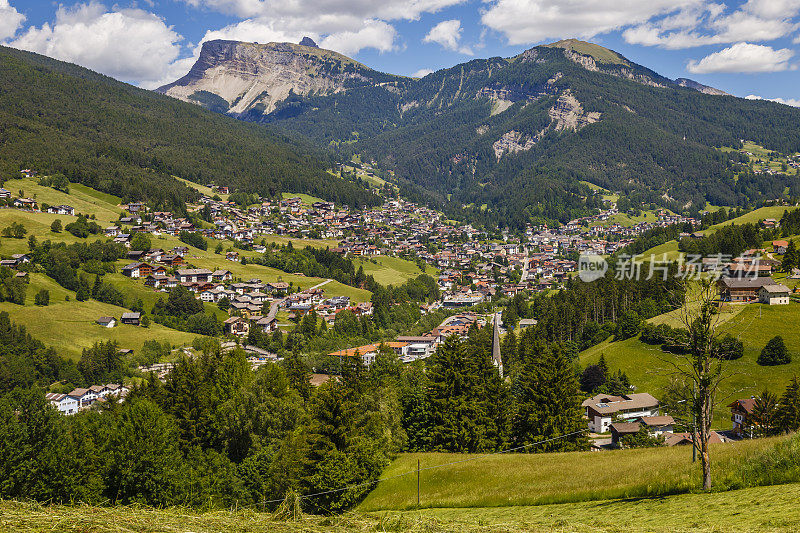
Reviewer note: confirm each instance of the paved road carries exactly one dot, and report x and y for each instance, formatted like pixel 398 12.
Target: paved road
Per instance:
pixel 273 309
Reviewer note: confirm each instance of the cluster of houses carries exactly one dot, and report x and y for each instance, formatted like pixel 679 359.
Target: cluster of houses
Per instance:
pixel 628 414
pixel 80 398
pixel 412 348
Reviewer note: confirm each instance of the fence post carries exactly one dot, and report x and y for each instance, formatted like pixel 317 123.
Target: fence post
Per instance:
pixel 417 483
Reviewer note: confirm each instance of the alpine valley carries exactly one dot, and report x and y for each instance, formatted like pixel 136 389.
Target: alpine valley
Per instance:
pixel 509 141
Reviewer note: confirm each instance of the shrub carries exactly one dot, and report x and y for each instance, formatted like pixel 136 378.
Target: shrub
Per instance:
pixel 42 298
pixel 774 353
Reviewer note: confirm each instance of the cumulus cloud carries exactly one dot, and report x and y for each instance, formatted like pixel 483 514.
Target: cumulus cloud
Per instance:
pixel 530 21
pixel 128 44
pixel 421 73
pixel 302 9
pixel 10 20
pixel 743 57
pixel 794 102
pixel 708 24
pixel 346 26
pixel 373 34
pixel 351 36
pixel 448 34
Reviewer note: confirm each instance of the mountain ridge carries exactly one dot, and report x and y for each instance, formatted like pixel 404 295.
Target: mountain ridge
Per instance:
pixel 252 76
pixel 510 141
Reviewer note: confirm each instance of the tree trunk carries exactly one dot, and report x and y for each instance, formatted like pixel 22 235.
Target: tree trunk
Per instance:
pixel 706 407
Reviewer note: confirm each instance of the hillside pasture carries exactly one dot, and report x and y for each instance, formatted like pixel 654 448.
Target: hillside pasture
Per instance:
pixel 389 270
pixel 650 369
pixel 534 479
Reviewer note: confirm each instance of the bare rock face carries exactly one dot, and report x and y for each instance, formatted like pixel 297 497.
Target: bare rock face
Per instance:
pixel 705 89
pixel 236 77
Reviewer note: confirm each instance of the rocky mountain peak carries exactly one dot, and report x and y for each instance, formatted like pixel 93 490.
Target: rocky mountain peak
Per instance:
pixel 308 41
pixel 238 77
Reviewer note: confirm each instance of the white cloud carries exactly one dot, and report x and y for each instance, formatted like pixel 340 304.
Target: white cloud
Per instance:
pixel 374 34
pixel 708 24
pixel 128 44
pixel 303 9
pixel 351 35
pixel 743 57
pixel 794 102
pixel 421 73
pixel 346 26
pixel 10 20
pixel 448 34
pixel 531 21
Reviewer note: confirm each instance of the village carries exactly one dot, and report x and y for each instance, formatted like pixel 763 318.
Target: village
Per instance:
pixel 472 267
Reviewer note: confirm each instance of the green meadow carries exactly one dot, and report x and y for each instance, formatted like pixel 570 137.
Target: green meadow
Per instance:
pixel 389 270
pixel 760 509
pixel 650 369
pixel 544 478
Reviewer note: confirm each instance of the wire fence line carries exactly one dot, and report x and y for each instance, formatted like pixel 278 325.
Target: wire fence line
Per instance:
pixel 415 471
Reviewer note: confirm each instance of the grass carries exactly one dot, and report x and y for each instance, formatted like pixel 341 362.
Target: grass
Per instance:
pixel 649 368
pixel 599 53
pixel 547 478
pixel 70 326
pixel 756 509
pixel 82 198
pixel 208 259
pixel 748 510
pixel 306 199
pixel 774 211
pixel 392 270
pixel 202 189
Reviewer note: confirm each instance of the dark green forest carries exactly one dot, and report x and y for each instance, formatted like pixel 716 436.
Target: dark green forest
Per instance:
pixel 60 118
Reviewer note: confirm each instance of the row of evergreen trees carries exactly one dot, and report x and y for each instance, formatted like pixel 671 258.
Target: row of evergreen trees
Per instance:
pixel 218 433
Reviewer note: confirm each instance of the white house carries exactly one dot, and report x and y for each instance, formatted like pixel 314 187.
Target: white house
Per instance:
pixel 61 210
pixel 107 321
pixel 777 294
pixel 65 403
pixel 603 408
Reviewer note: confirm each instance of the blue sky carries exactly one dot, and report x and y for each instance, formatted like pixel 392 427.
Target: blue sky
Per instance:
pixel 747 48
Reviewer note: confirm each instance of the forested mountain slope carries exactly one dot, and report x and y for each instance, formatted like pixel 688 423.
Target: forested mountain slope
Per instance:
pixel 509 139
pixel 58 117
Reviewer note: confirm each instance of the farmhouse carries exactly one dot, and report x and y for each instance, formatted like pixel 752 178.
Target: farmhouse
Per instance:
pixel 741 411
pixel 25 203
pixel 132 319
pixel 61 210
pixel 236 326
pixel 137 270
pixel 603 408
pixel 780 247
pixel 742 289
pixel 774 294
pixel 65 403
pixel 107 321
pixel 193 275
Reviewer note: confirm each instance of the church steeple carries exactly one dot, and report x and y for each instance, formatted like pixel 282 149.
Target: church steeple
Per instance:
pixel 496 358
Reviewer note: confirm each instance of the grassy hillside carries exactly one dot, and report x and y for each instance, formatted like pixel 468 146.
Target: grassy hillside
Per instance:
pixel 534 479
pixel 650 370
pixel 758 509
pixel 69 327
pixel 391 270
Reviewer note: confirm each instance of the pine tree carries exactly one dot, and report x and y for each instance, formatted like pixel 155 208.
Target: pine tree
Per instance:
pixel 774 353
pixel 791 259
pixel 508 349
pixel 452 414
pixel 298 374
pixel 789 407
pixel 547 402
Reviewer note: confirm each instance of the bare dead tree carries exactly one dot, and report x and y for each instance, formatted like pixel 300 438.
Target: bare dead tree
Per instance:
pixel 701 368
